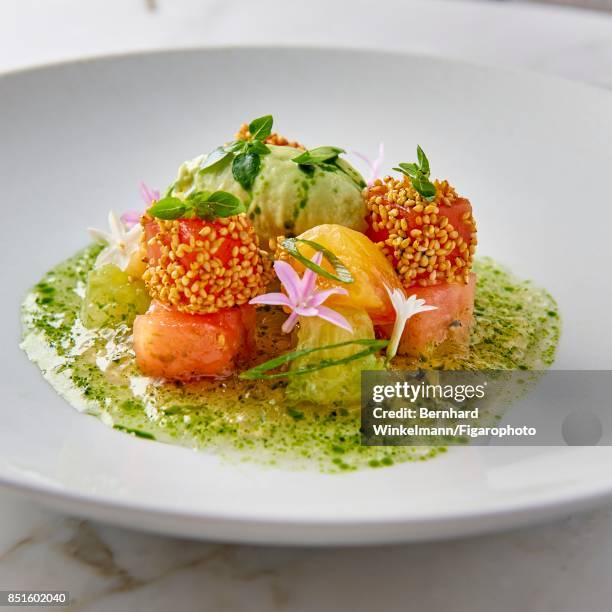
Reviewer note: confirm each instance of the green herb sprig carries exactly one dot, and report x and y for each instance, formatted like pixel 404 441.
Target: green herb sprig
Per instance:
pixel 261 371
pixel 419 174
pixel 326 158
pixel 245 155
pixel 342 275
pixel 204 205
pixel 318 156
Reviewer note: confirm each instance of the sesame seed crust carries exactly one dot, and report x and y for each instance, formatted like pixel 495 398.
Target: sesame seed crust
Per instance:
pixel 273 139
pixel 276 247
pixel 417 236
pixel 202 267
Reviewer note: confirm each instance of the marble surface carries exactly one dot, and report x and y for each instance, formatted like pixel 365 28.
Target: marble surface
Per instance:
pixel 563 566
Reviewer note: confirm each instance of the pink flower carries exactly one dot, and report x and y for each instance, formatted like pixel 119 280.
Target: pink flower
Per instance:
pixel 375 164
pixel 302 297
pixel 132 217
pixel 148 195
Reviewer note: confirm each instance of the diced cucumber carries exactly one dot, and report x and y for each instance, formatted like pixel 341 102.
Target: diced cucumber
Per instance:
pixel 112 297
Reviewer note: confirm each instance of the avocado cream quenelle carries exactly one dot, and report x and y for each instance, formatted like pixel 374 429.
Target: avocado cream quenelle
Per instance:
pixel 286 198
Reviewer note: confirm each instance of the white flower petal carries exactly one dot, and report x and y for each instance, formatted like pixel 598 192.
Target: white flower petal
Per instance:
pixel 404 309
pixel 116 225
pixel 104 258
pixel 121 244
pixel 98 235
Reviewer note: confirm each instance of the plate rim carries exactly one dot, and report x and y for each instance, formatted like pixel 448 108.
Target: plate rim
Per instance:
pixel 324 531
pixel 313 48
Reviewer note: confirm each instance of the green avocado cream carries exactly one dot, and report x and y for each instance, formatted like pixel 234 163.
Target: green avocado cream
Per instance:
pixel 285 199
pixel 517 327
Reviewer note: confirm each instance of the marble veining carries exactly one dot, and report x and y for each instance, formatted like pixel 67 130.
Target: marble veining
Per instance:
pixel 561 566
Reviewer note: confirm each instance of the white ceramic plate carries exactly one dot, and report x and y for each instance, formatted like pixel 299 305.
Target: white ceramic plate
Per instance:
pixel 534 156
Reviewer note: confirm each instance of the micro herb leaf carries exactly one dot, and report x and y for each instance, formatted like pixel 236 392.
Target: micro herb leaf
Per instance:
pixel 202 204
pixel 203 210
pixel 410 169
pixel 225 204
pixel 342 275
pixel 245 168
pixel 196 197
pixel 419 174
pixel 236 146
pixel 423 161
pixel 245 155
pixel 257 147
pixel 317 156
pixel 197 201
pixel 424 187
pixel 224 198
pixel 169 208
pixel 327 158
pixel 261 127
pixel 261 371
pixel 214 159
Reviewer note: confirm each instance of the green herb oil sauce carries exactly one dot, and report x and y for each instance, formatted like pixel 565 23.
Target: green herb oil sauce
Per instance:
pixel 516 327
